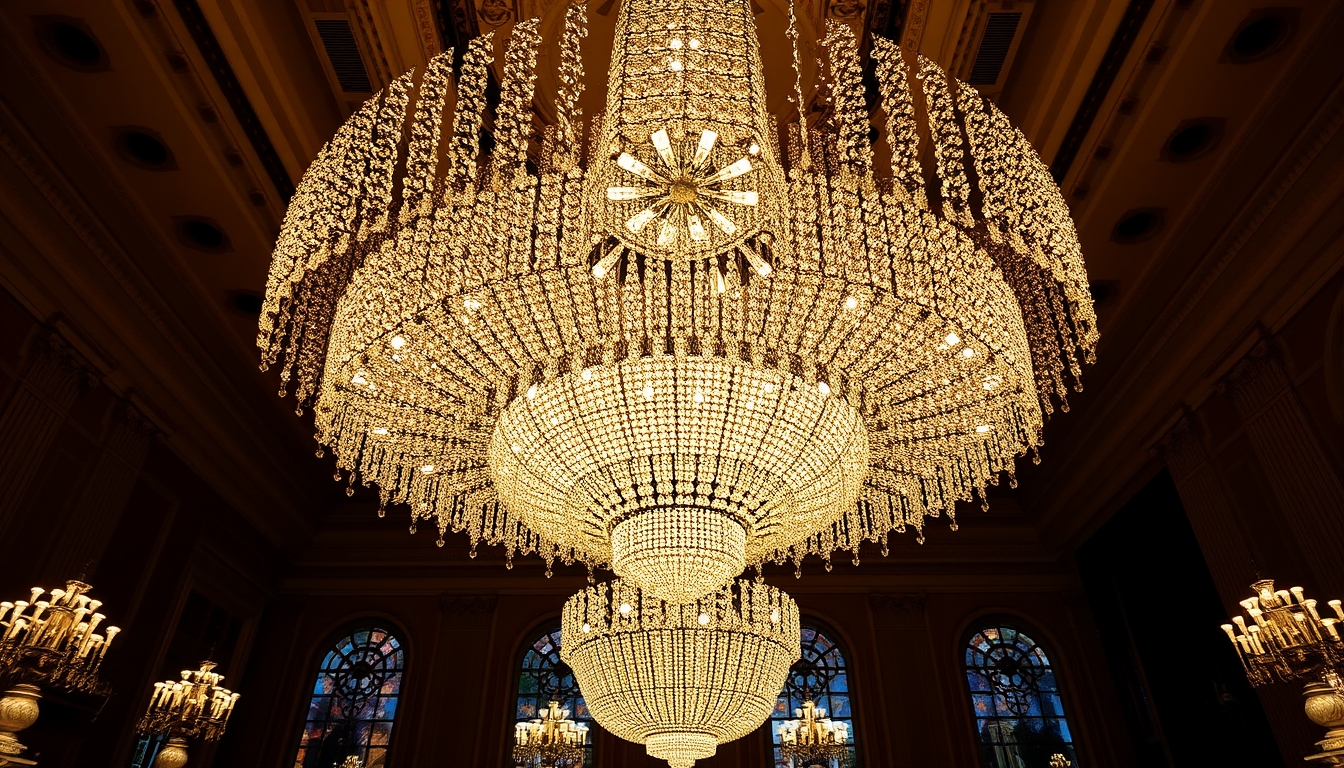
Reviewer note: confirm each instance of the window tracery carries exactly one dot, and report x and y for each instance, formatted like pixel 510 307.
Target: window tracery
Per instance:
pixel 543 678
pixel 821 675
pixel 354 700
pixel 1016 701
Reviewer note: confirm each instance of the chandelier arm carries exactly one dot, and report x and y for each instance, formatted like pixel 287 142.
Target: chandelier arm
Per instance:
pixel 851 115
pixel 947 144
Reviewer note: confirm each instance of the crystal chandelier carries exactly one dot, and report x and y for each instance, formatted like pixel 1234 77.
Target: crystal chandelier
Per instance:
pixel 48 643
pixel 552 740
pixel 194 707
pixel 666 340
pixel 680 679
pixel 813 739
pixel 1287 639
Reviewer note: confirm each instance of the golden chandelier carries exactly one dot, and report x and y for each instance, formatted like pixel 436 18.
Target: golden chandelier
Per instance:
pixel 680 679
pixel 666 340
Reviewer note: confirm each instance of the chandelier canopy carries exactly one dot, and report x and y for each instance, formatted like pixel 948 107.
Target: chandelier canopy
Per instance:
pixel 680 679
pixel 686 336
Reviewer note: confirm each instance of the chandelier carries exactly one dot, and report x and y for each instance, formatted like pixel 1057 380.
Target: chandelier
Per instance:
pixel 553 740
pixel 680 679
pixel 812 738
pixel 194 707
pixel 666 340
pixel 48 643
pixel 1287 639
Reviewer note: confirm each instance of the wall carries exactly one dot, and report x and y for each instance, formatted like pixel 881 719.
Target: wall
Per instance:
pixel 86 488
pixel 1259 467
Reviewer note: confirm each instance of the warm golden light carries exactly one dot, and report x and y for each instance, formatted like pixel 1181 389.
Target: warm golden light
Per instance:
pixel 674 341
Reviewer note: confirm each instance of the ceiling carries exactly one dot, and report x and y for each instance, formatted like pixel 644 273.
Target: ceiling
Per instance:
pixel 147 148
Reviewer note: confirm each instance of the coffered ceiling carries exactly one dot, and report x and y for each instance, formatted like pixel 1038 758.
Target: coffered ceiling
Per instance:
pixel 147 148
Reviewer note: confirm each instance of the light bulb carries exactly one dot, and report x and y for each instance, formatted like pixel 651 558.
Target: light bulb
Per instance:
pixel 427 469
pixel 952 339
pixel 625 609
pixel 398 342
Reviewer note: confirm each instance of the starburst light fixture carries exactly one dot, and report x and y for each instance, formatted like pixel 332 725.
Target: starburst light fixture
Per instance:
pixel 680 679
pixel 665 340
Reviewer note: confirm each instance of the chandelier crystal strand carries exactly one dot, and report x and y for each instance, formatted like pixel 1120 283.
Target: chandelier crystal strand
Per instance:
pixel 667 350
pixel 680 679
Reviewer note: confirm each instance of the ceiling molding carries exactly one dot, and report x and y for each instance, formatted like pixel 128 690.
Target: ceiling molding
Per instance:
pixel 208 46
pixel 1136 13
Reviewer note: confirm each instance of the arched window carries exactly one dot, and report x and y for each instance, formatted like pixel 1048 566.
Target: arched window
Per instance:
pixel 544 678
pixel 354 700
pixel 820 674
pixel 1019 716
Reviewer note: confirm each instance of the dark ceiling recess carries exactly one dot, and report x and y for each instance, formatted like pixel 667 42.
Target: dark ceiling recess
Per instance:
pixel 1103 291
pixel 1193 139
pixel 202 234
pixel 144 148
pixel 1138 225
pixel 71 42
pixel 343 53
pixel 246 303
pixel 1261 34
pixel 994 47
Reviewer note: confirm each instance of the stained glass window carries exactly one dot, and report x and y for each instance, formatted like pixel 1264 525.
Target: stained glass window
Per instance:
pixel 1019 715
pixel 354 700
pixel 545 678
pixel 820 674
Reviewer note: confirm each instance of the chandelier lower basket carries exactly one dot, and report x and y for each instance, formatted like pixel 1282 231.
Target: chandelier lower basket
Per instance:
pixel 681 749
pixel 680 678
pixel 678 554
pixel 678 472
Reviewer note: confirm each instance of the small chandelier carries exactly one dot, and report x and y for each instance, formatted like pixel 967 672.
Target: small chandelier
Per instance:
pixel 668 340
pixel 1286 640
pixel 812 738
pixel 553 740
pixel 680 679
pixel 194 707
pixel 49 643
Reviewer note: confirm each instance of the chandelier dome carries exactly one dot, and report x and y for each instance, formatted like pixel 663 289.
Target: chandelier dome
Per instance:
pixel 680 679
pixel 666 340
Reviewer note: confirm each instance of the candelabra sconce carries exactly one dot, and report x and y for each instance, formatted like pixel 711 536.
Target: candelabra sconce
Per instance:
pixel 50 641
pixel 1286 640
pixel 194 707
pixel 552 740
pixel 813 739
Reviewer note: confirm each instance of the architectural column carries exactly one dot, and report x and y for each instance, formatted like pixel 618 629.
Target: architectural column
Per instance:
pixel 31 419
pixel 1300 473
pixel 1213 517
pixel 916 728
pixel 105 493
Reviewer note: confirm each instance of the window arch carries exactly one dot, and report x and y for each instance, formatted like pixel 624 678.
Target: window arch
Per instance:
pixel 1016 701
pixel 543 678
pixel 354 699
pixel 822 675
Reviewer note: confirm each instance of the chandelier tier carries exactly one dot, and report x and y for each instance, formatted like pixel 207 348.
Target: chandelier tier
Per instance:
pixel 680 679
pixel 665 341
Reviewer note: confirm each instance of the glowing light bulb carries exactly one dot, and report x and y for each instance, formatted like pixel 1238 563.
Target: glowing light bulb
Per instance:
pixel 983 428
pixel 625 609
pixel 648 391
pixel 674 65
pixel 851 302
pixel 587 375
pixel 704 619
pixel 532 392
pixel 428 469
pixel 952 339
pixel 398 342
pixel 358 380
pixel 676 43
pixel 699 396
pixel 380 430
pixel 823 388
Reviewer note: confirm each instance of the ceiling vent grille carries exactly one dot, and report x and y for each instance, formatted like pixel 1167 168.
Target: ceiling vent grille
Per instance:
pixel 1000 29
pixel 343 53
